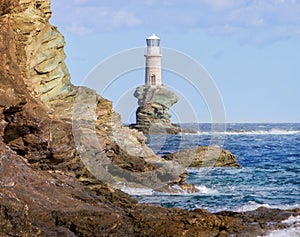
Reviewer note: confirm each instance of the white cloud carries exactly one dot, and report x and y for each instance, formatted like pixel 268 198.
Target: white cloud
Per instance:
pixel 78 29
pixel 253 20
pixel 221 4
pixel 124 18
pixel 80 1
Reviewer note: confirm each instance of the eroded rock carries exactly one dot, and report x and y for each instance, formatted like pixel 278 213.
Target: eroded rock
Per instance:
pixel 152 115
pixel 37 51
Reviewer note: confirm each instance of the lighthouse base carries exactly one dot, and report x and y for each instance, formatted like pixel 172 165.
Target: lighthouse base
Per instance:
pixel 152 115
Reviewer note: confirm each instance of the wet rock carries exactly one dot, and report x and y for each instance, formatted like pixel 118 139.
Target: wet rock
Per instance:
pixel 206 156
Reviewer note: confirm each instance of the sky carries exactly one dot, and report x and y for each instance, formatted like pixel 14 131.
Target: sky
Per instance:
pixel 250 50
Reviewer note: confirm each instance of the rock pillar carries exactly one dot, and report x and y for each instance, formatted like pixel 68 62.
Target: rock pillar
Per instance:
pixel 152 115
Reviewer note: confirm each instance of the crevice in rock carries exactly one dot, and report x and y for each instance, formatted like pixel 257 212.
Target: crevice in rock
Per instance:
pixel 6 6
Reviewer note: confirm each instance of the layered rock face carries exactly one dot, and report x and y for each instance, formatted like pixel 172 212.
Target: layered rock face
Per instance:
pixel 39 56
pixel 152 115
pixel 45 188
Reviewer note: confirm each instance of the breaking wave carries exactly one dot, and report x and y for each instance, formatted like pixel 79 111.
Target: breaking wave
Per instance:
pixel 251 206
pixel 292 231
pixel 252 132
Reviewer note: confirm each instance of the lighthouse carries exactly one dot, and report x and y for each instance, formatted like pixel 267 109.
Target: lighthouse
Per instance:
pixel 154 99
pixel 153 62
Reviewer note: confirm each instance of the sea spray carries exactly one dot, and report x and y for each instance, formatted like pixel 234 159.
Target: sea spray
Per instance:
pixel 292 231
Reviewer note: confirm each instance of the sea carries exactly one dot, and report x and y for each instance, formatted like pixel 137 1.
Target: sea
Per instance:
pixel 269 155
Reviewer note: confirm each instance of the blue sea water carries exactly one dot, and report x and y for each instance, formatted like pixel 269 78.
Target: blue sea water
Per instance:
pixel 269 176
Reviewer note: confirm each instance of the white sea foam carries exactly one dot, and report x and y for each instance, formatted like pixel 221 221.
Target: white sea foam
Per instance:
pixel 289 232
pixel 205 190
pixel 292 231
pixel 250 206
pixel 292 220
pixel 180 192
pixel 148 192
pixel 272 131
pixel 138 191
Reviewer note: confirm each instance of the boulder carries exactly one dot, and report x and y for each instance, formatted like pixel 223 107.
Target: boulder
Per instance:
pixel 206 156
pixel 158 95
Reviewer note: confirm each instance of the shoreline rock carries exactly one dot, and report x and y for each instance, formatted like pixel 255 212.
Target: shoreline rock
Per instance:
pixel 205 156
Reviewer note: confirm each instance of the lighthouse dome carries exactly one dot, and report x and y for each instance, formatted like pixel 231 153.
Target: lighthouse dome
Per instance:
pixel 153 37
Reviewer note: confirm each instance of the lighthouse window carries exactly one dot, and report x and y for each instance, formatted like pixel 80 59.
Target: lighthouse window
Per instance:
pixel 153 80
pixel 153 42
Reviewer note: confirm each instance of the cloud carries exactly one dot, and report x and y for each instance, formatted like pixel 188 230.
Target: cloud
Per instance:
pixel 124 18
pixel 220 5
pixel 78 29
pixel 88 16
pixel 256 22
pixel 249 21
pixel 80 1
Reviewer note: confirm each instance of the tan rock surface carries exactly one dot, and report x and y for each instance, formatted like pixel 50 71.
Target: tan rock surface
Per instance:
pixel 39 56
pixel 206 156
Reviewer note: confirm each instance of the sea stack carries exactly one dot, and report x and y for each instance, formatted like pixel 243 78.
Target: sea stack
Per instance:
pixel 154 100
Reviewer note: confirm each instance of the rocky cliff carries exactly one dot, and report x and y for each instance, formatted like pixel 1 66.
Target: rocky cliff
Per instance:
pixel 37 50
pixel 46 189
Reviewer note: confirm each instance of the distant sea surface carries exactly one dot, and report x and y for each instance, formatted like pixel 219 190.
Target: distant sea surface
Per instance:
pixel 269 176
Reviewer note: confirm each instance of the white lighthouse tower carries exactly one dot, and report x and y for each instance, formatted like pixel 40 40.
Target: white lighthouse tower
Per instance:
pixel 153 62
